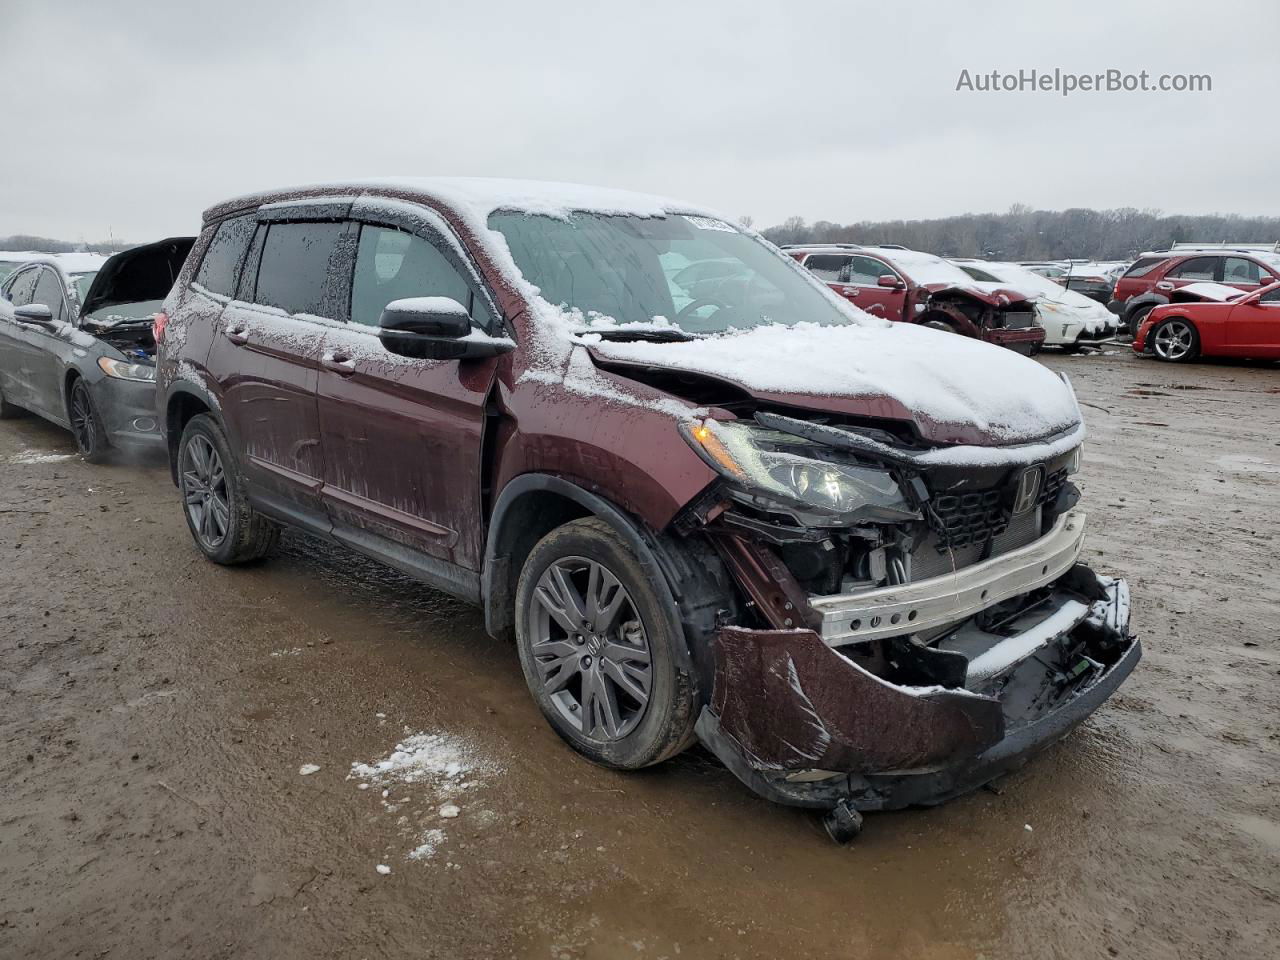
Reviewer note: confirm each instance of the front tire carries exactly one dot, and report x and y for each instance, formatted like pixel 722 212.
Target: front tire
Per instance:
pixel 597 643
pixel 223 524
pixel 86 425
pixel 1175 341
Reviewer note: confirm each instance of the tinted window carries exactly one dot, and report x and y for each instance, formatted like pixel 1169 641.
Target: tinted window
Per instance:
pixel 1197 268
pixel 23 286
pixel 221 265
pixel 393 265
pixel 1271 296
pixel 295 266
pixel 828 266
pixel 1240 270
pixel 49 292
pixel 1144 266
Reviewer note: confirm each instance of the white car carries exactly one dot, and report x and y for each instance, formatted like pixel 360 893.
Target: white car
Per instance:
pixel 1070 320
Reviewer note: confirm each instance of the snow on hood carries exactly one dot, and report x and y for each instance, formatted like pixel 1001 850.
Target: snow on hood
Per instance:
pixel 1208 290
pixel 950 386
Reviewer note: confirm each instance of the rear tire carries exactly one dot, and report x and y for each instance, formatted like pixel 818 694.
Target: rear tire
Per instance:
pixel 223 524
pixel 1135 318
pixel 86 425
pixel 598 644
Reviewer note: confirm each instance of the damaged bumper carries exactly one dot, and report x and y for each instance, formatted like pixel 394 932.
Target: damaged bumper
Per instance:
pixel 802 723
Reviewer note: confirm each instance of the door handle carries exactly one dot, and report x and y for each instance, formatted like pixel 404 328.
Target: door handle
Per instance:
pixel 1164 285
pixel 338 363
pixel 236 335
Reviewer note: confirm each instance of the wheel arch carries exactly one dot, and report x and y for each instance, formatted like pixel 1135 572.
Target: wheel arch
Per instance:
pixel 182 404
pixel 527 509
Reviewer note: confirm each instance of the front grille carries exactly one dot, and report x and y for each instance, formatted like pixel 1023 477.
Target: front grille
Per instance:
pixel 1019 319
pixel 930 560
pixel 961 520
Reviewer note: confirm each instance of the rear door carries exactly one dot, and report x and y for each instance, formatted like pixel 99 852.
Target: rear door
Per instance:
pixel 833 270
pixel 402 437
pixel 1192 270
pixel 266 355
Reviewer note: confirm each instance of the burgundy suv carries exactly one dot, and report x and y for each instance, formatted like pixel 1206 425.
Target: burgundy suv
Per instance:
pixel 916 287
pixel 715 503
pixel 1151 279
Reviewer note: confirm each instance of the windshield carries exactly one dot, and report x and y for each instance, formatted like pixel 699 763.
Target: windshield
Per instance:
pixel 702 275
pixel 82 282
pixel 1027 279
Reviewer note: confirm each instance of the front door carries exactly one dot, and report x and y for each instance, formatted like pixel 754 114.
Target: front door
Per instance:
pixel 402 437
pixel 18 289
pixel 37 349
pixel 889 302
pixel 266 358
pixel 1253 328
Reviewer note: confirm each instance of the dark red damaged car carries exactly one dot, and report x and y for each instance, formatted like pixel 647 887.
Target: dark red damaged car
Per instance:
pixel 709 499
pixel 914 287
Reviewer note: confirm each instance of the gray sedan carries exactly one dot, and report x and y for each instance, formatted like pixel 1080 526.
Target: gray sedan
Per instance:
pixel 76 347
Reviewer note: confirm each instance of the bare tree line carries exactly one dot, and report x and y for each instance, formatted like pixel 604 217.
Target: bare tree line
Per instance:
pixel 1022 233
pixel 27 242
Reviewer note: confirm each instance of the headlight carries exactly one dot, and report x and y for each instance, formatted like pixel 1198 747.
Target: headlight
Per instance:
pixel 141 372
pixel 775 465
pixel 1073 465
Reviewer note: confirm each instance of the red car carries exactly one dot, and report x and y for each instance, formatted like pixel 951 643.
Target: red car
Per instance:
pixel 916 287
pixel 1247 325
pixel 1149 282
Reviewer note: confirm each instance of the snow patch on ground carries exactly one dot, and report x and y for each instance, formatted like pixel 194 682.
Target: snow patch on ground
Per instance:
pixel 439 768
pixel 35 456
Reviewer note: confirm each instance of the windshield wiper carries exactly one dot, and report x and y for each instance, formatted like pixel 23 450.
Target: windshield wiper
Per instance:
pixel 663 335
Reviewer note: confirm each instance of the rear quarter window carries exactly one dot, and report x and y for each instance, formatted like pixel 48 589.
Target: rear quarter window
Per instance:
pixel 1144 266
pixel 220 268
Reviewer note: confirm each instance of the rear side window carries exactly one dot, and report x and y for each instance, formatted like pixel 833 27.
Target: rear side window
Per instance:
pixel 1197 268
pixel 23 287
pixel 221 265
pixel 294 268
pixel 1144 266
pixel 394 265
pixel 827 266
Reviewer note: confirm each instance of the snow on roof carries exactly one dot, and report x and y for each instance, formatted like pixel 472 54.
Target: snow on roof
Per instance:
pixel 79 262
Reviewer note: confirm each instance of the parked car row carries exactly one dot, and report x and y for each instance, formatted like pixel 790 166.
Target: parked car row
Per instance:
pixel 708 499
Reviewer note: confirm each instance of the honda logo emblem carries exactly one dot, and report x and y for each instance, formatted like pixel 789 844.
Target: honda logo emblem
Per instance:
pixel 1028 490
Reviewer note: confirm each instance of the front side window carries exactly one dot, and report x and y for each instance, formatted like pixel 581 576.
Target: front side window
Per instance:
pixel 294 268
pixel 1271 296
pixel 829 267
pixel 607 266
pixel 220 268
pixel 394 265
pixel 22 287
pixel 867 271
pixel 49 291
pixel 1240 270
pixel 1197 268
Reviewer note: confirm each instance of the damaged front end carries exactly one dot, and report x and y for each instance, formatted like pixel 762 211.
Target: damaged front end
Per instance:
pixel 1001 317
pixel 916 626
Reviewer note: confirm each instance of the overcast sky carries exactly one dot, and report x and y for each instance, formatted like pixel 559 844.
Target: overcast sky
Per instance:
pixel 130 118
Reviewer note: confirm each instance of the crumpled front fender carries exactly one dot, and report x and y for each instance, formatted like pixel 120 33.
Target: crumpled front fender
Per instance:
pixel 790 702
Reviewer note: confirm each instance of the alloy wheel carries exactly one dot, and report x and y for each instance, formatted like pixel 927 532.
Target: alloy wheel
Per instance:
pixel 84 427
pixel 591 649
pixel 1174 339
pixel 204 491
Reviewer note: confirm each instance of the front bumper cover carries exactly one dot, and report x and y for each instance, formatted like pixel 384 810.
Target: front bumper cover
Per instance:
pixel 800 724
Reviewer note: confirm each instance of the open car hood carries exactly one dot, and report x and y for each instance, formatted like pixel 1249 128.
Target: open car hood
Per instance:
pixel 953 389
pixel 138 274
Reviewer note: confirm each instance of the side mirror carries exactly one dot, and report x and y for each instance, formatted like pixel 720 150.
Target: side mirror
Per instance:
pixel 890 281
pixel 435 328
pixel 36 314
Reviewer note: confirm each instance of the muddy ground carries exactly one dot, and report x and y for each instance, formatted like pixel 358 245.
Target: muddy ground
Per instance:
pixel 155 712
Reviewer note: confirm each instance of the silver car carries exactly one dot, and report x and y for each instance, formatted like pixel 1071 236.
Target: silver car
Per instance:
pixel 76 343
